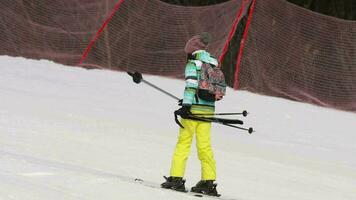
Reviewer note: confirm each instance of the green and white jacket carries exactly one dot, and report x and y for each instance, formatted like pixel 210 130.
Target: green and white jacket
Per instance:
pixel 192 76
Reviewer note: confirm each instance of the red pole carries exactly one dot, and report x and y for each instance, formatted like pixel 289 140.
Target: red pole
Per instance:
pixel 232 31
pixel 85 54
pixel 242 44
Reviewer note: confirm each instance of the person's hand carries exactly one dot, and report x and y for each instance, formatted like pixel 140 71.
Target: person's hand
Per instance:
pixel 180 102
pixel 184 112
pixel 218 96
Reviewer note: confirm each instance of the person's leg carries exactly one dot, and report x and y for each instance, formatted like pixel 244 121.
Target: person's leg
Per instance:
pixel 182 149
pixel 205 152
pixel 208 169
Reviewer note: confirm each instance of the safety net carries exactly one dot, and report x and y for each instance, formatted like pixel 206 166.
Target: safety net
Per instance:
pixel 149 36
pixel 278 48
pixel 50 29
pixel 294 53
pixel 142 35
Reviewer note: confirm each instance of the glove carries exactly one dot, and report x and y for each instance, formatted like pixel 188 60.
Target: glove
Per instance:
pixel 137 77
pixel 184 112
pixel 180 102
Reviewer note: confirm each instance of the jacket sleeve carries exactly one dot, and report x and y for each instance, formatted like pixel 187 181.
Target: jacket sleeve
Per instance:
pixel 191 84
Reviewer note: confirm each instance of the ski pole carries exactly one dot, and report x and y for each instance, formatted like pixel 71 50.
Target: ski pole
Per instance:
pixel 244 113
pixel 249 130
pixel 137 78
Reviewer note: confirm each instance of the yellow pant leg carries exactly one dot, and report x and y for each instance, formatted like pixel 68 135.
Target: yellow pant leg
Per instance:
pixel 182 149
pixel 205 152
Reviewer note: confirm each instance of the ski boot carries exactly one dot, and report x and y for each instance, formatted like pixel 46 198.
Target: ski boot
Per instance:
pixel 174 183
pixel 207 187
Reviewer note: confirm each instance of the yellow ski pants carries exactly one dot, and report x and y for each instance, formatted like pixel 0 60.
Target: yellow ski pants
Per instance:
pixel 205 153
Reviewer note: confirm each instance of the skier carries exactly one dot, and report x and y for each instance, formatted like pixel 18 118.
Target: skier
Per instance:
pixel 194 104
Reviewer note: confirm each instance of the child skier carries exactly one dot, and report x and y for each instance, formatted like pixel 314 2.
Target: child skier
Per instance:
pixel 195 102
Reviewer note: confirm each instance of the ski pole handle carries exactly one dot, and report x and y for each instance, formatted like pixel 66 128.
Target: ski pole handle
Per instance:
pixel 137 77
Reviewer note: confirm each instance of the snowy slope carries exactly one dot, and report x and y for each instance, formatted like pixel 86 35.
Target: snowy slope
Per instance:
pixel 71 133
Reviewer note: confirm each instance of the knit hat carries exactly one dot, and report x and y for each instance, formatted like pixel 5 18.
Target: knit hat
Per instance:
pixel 198 42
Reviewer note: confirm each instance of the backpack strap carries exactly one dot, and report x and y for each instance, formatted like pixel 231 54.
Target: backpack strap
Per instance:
pixel 198 63
pixel 204 56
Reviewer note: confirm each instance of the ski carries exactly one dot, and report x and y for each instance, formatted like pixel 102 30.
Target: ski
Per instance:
pixel 221 121
pixel 217 120
pixel 226 121
pixel 154 185
pixel 244 113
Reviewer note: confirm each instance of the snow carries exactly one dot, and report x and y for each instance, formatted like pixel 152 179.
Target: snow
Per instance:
pixel 71 133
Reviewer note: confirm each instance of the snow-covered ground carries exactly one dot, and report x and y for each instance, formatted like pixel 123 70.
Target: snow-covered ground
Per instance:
pixel 70 133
